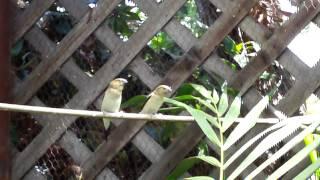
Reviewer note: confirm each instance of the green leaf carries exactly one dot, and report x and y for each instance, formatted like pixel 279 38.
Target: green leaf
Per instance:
pixel 215 97
pixel 308 140
pixel 244 126
pixel 210 160
pixel 188 163
pixel 238 48
pixel 204 125
pixel 229 45
pixel 135 101
pixel 202 90
pixel 307 172
pixel 203 102
pixel 270 141
pixel 295 159
pixel 184 98
pixel 200 119
pixel 223 103
pixel 182 168
pixel 211 119
pixel 232 114
pixel 199 178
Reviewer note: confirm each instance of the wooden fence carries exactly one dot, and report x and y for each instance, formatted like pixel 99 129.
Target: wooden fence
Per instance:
pixel 126 55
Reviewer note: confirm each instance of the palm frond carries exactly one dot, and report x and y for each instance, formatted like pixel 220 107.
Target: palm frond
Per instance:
pixel 288 146
pixel 295 159
pixel 267 143
pixel 244 126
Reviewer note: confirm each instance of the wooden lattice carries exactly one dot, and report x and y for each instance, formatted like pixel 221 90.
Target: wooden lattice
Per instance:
pixel 126 55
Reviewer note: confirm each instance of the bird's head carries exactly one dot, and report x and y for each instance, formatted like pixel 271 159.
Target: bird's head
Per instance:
pixel 163 91
pixel 118 83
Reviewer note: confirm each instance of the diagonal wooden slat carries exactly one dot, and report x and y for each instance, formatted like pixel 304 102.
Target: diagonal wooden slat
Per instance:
pixel 70 143
pixel 64 50
pixel 126 130
pixel 137 65
pixel 136 127
pixel 42 44
pixel 300 91
pixel 52 132
pixel 272 48
pixel 72 72
pixel 38 36
pixel 214 33
pixel 79 152
pixel 208 42
pixel 303 87
pixel 24 21
pixel 260 34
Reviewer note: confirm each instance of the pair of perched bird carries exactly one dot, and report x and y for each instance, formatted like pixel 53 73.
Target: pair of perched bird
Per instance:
pixel 113 96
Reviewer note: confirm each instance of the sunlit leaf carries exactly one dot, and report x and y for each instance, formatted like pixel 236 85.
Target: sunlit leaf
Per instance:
pixel 244 126
pixel 202 90
pixel 223 103
pixel 215 96
pixel 232 114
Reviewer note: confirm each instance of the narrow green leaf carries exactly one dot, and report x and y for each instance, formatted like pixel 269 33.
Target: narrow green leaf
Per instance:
pixel 215 96
pixel 200 119
pixel 184 98
pixel 203 102
pixel 202 90
pixel 188 163
pixel 210 160
pixel 204 125
pixel 182 168
pixel 308 140
pixel 232 114
pixel 223 103
pixel 307 172
pixel 211 119
pixel 199 178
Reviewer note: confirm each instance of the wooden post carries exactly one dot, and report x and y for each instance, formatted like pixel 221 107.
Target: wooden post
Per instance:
pixel 5 84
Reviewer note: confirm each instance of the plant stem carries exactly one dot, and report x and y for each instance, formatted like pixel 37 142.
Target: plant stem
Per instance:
pixel 221 151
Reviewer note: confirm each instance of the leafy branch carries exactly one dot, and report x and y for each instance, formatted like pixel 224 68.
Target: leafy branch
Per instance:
pixel 219 117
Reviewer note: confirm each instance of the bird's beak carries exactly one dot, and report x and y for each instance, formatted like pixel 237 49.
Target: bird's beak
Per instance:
pixel 124 81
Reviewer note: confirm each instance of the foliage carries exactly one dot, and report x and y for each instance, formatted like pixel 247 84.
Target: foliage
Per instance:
pixel 218 116
pixel 125 20
pixel 188 16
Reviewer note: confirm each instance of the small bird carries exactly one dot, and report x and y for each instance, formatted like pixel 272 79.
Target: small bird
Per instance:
pixel 156 99
pixel 112 98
